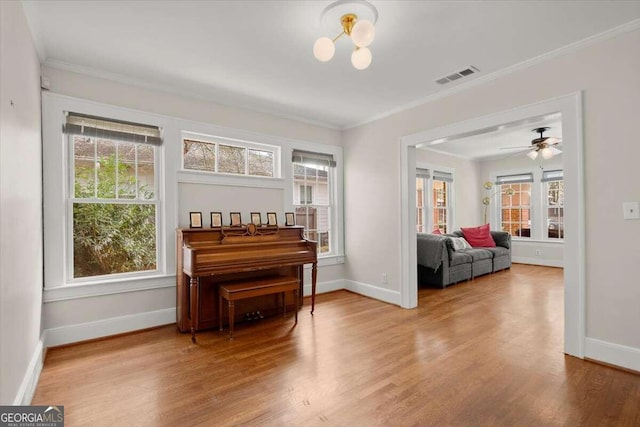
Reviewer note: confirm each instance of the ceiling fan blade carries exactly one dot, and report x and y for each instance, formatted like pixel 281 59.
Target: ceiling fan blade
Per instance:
pixel 521 146
pixel 553 140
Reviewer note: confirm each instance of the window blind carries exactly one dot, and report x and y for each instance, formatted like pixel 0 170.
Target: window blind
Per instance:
pixel 101 127
pixel 422 173
pixel 514 179
pixel 311 158
pixel 442 176
pixel 556 175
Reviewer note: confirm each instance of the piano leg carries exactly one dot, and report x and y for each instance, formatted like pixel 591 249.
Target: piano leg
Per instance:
pixel 314 276
pixel 194 307
pixel 232 315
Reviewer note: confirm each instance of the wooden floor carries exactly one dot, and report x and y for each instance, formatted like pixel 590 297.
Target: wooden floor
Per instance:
pixel 481 353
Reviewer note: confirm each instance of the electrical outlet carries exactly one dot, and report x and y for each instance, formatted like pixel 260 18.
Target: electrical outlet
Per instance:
pixel 385 279
pixel 538 252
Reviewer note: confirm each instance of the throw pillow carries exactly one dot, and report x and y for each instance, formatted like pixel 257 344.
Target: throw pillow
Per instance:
pixel 436 231
pixel 479 236
pixel 457 243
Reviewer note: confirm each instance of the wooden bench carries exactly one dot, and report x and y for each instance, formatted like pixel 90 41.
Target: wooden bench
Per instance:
pixel 233 291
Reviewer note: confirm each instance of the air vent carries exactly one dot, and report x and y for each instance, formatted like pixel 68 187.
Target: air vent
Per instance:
pixel 458 75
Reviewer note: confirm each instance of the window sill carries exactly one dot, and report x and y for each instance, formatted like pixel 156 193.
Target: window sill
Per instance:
pixel 195 177
pixel 87 290
pixel 328 260
pixel 536 241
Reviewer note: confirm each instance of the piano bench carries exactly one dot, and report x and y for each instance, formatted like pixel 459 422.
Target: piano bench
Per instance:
pixel 240 289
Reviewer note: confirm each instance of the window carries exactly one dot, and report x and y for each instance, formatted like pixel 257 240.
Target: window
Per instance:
pixel 433 212
pixel 554 203
pixel 219 155
pixel 515 204
pixel 113 202
pixel 306 194
pixel 313 197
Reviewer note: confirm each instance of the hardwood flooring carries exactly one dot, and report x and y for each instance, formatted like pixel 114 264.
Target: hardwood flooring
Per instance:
pixel 482 353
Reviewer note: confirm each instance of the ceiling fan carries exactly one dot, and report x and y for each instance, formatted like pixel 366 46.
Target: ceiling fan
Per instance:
pixel 543 145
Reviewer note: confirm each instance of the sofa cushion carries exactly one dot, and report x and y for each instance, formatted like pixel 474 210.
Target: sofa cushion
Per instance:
pixel 458 258
pixel 479 254
pixel 498 251
pixel 479 236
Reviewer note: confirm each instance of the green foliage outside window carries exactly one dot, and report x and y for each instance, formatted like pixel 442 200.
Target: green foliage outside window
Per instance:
pixel 111 237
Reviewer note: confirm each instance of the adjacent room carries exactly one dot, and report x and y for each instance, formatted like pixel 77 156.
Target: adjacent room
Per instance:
pixel 320 212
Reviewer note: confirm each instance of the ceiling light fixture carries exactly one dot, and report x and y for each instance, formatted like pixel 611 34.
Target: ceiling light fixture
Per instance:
pixel 356 19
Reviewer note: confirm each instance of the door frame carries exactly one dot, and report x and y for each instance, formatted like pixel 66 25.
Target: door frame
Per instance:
pixel 570 108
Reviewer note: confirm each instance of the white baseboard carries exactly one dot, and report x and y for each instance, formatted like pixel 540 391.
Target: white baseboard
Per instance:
pixel 102 328
pixel 330 286
pixel 382 294
pixel 538 261
pixel 31 376
pixel 613 354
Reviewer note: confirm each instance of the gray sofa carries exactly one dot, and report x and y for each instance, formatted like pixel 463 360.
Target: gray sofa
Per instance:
pixel 440 265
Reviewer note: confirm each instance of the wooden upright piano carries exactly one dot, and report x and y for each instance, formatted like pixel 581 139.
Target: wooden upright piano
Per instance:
pixel 209 257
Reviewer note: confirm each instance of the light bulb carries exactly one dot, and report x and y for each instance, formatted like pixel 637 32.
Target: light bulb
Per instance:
pixel 363 33
pixel 547 153
pixel 532 154
pixel 361 58
pixel 323 49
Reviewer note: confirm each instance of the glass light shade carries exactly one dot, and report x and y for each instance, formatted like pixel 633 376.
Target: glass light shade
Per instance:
pixel 323 49
pixel 361 58
pixel 363 33
pixel 532 154
pixel 547 153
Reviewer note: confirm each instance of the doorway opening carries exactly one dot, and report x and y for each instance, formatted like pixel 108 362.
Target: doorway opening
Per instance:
pixel 570 109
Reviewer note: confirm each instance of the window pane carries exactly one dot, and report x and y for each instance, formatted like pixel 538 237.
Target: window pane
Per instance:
pixel 260 163
pixel 146 172
pixel 126 186
pixel 111 238
pixel 231 159
pixel 199 155
pixel 323 242
pixel 106 166
pixel 84 162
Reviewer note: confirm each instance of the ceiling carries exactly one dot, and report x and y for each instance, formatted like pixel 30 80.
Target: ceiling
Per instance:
pixel 258 54
pixel 507 140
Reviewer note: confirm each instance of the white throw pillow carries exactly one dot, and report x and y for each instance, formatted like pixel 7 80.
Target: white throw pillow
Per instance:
pixel 460 243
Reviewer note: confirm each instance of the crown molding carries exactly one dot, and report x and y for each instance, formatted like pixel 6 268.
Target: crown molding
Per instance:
pixel 572 47
pixel 176 90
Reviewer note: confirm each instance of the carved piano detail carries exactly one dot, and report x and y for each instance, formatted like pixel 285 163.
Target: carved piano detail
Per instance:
pixel 209 257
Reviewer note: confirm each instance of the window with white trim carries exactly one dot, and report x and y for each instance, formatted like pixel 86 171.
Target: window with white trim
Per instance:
pixel 205 153
pixel 553 182
pixel 515 204
pixel 314 197
pixel 112 198
pixel 433 200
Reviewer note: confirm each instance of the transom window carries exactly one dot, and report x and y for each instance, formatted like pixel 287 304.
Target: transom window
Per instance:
pixel 220 155
pixel 113 200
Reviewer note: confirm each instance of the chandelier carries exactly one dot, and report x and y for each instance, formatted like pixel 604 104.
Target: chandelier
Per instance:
pixel 356 19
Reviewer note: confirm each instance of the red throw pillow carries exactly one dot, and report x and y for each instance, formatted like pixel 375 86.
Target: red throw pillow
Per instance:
pixel 436 231
pixel 479 236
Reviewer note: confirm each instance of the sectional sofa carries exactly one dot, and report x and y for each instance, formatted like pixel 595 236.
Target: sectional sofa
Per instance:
pixel 440 265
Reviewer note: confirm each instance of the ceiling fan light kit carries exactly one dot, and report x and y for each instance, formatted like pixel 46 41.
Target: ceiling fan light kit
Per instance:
pixel 357 20
pixel 543 145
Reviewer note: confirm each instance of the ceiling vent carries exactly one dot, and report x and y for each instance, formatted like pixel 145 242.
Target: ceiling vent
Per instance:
pixel 458 75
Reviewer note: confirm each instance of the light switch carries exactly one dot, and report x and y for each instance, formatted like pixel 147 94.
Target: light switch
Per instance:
pixel 631 210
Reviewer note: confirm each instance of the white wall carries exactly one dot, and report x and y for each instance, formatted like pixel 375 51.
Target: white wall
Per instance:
pixel 607 73
pixel 20 209
pixel 69 319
